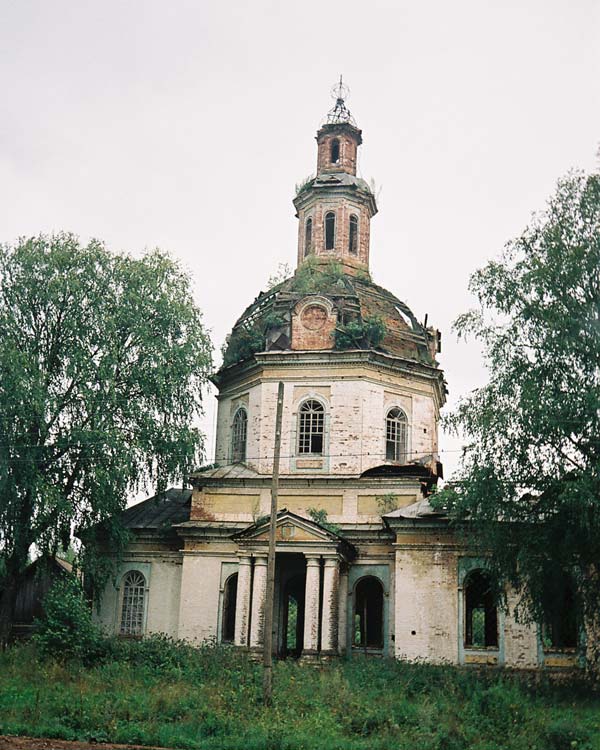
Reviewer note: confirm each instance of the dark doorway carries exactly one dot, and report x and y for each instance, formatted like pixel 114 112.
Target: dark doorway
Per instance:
pixel 368 613
pixel 293 617
pixel 229 604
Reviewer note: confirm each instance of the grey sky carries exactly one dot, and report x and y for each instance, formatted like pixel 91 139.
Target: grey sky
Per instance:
pixel 185 125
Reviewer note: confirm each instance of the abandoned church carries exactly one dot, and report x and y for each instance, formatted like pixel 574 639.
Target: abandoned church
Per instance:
pixel 364 564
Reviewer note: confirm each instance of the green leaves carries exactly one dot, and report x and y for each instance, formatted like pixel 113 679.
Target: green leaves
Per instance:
pixel 102 362
pixel 534 458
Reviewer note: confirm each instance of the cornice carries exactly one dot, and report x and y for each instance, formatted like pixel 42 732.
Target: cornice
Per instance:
pixel 230 376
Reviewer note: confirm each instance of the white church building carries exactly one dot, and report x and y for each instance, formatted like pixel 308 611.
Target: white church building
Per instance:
pixel 364 565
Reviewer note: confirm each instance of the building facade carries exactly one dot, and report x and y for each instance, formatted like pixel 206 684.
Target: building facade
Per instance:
pixel 364 564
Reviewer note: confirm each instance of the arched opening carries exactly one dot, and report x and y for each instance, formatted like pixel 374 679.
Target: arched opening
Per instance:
pixel 133 603
pixel 353 235
pixel 368 613
pixel 329 230
pixel 481 613
pixel 229 606
pixel 396 432
pixel 239 433
pixel 308 238
pixel 560 629
pixel 311 427
pixel 335 151
pixel 293 617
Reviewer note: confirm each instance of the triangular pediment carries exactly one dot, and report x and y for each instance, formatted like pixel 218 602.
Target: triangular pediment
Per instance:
pixel 290 528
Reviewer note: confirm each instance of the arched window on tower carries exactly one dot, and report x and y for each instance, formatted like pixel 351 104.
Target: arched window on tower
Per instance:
pixel 368 613
pixel 335 151
pixel 353 235
pixel 481 614
pixel 329 230
pixel 229 605
pixel 133 603
pixel 311 427
pixel 239 433
pixel 396 434
pixel 308 238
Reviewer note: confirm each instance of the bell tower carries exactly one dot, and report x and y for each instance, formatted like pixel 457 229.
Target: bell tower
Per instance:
pixel 335 207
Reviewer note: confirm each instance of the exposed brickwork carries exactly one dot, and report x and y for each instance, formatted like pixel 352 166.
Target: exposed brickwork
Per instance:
pixel 349 139
pixel 313 324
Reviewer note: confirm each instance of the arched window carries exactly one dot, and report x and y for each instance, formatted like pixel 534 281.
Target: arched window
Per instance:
pixel 481 614
pixel 239 433
pixel 335 151
pixel 368 613
pixel 132 607
pixel 353 235
pixel 396 435
pixel 560 629
pixel 308 238
pixel 329 230
pixel 311 427
pixel 229 605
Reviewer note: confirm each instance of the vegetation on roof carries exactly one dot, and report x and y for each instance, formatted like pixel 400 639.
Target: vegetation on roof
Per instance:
pixel 365 333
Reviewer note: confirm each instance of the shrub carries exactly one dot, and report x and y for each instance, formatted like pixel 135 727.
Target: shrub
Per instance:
pixel 66 630
pixel 565 734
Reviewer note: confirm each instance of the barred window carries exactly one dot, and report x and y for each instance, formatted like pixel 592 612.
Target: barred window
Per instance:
pixel 395 435
pixel 353 235
pixel 239 432
pixel 132 610
pixel 481 615
pixel 308 238
pixel 311 427
pixel 329 230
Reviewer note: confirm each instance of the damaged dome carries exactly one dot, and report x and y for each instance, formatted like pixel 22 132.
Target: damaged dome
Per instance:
pixel 322 307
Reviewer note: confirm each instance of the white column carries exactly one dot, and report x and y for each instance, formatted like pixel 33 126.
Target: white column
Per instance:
pixel 259 590
pixel 311 606
pixel 329 623
pixel 242 605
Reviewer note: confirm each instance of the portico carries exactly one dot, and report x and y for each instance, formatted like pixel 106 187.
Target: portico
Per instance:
pixel 309 563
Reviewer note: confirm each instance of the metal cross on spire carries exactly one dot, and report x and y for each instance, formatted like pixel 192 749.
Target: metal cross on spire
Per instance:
pixel 340 113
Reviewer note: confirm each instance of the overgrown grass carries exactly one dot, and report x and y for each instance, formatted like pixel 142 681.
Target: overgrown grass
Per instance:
pixel 157 692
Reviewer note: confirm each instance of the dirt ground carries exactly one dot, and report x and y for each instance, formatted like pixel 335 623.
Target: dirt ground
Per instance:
pixel 42 743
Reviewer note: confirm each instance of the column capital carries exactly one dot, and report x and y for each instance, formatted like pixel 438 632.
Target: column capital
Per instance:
pixel 244 558
pixel 312 560
pixel 260 559
pixel 331 562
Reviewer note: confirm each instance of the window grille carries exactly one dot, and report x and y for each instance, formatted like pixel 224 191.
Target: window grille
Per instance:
pixel 481 614
pixel 311 427
pixel 353 235
pixel 239 433
pixel 308 238
pixel 329 230
pixel 396 436
pixel 132 610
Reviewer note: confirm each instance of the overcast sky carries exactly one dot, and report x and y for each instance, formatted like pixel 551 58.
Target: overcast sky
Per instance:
pixel 185 125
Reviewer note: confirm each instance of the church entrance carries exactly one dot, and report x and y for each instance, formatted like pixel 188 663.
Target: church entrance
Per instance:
pixel 290 585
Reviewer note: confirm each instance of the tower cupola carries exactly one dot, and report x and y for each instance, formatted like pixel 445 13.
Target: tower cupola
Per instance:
pixel 335 207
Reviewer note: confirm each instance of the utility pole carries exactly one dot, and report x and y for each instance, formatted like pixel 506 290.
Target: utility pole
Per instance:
pixel 270 593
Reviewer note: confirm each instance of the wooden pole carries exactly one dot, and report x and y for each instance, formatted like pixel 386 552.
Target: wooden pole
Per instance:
pixel 270 593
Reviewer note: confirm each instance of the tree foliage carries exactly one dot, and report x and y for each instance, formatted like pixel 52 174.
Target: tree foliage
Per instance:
pixel 530 478
pixel 102 362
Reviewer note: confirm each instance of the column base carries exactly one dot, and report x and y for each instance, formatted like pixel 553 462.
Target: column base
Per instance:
pixel 309 656
pixel 329 655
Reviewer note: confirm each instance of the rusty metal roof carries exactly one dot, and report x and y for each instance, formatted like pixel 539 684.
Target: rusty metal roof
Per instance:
pixel 160 511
